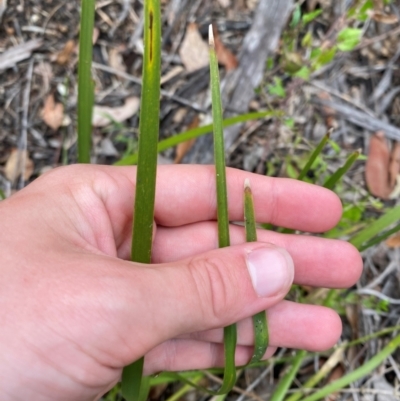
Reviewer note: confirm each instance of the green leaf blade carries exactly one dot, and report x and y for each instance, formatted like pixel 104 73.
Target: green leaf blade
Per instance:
pixel 230 332
pixel 133 387
pixel 85 81
pixel 260 324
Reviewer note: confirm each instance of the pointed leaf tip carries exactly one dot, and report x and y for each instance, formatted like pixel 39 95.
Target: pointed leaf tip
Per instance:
pixel 247 184
pixel 211 36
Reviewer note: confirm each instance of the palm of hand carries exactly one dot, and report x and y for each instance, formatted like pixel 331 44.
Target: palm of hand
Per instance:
pixel 74 311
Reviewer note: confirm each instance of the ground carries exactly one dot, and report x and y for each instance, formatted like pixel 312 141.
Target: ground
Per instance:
pixel 335 69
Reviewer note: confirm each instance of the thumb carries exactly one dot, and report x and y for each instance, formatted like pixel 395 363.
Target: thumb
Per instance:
pixel 210 290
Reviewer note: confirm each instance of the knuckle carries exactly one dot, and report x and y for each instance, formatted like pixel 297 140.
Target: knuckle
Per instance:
pixel 170 357
pixel 214 286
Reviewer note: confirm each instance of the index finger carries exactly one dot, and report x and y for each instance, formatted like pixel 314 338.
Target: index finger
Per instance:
pixel 187 194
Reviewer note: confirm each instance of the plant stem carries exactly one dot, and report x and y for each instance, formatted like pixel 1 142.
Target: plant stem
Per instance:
pixel 356 374
pixel 287 380
pixel 374 229
pixel 230 334
pixel 314 155
pixel 142 231
pixel 335 177
pixel 260 325
pixel 196 132
pixel 85 82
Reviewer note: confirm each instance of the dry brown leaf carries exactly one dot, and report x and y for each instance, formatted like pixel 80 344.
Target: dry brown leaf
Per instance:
pixel 224 3
pixel 44 69
pixel 330 114
pixel 17 163
pixel 224 55
pixel 377 167
pixel 96 34
pixel 65 54
pixel 174 72
pixel 378 5
pixel 312 4
pixel 103 115
pixel 394 241
pixel 184 147
pixel 179 115
pixel 251 4
pixel 352 314
pixel 394 167
pixel 336 374
pixel 194 51
pixel 52 113
pixel 388 19
pixel 115 60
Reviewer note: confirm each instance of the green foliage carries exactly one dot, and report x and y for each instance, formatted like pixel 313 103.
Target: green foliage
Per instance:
pixel 366 368
pixel 277 88
pixel 310 166
pixel 311 16
pixel 85 82
pixel 175 140
pixel 134 388
pixel 260 325
pixel 312 54
pixel 348 39
pixel 230 332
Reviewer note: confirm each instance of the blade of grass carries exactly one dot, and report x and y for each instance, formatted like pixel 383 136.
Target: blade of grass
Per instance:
pixel 260 325
pixel 333 359
pixel 379 238
pixel 375 228
pixel 335 177
pixel 314 155
pixel 199 131
pixel 85 82
pixel 178 395
pixel 284 385
pixel 321 374
pixel 230 332
pixel 356 374
pixel 142 231
pixel 287 380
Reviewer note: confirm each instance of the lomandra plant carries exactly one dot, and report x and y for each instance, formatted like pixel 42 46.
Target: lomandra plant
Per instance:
pixel 85 81
pixel 260 325
pixel 133 386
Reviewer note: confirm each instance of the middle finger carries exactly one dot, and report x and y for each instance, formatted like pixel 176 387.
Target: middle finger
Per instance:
pixel 318 261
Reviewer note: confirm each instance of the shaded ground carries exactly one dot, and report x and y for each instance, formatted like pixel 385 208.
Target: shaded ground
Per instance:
pixel 355 92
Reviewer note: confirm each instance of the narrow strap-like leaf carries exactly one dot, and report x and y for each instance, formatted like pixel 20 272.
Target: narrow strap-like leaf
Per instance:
pixel 230 332
pixel 366 368
pixel 286 381
pixel 260 324
pixel 335 177
pixel 85 81
pixel 142 231
pixel 175 140
pixel 314 155
pixel 375 228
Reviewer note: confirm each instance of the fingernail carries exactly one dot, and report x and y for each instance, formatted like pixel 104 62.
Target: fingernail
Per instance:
pixel 271 270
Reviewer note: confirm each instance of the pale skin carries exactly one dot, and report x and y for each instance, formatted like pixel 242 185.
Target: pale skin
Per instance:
pixel 74 310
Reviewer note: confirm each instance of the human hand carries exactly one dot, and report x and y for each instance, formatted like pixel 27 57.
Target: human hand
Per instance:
pixel 74 310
